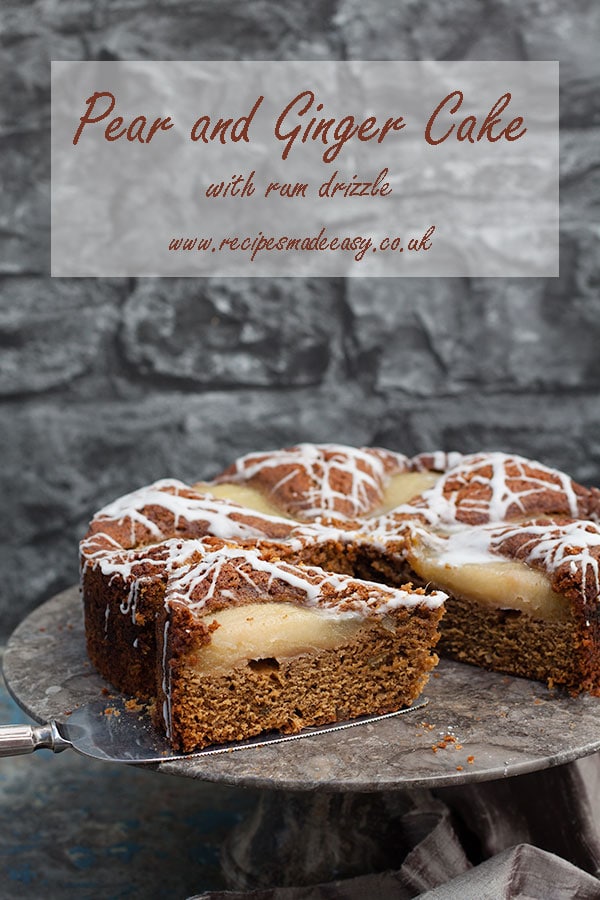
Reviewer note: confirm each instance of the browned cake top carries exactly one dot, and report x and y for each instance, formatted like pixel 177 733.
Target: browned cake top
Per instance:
pixel 170 508
pixel 150 532
pixel 311 480
pixel 472 491
pixel 568 550
pixel 496 487
pixel 218 573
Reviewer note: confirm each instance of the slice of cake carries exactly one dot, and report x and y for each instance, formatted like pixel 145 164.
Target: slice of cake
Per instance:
pixel 250 644
pixel 135 542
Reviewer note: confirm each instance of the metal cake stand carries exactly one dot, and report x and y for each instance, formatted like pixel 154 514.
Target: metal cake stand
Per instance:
pixel 477 726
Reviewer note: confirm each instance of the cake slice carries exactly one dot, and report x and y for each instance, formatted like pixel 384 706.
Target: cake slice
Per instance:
pixel 135 542
pixel 249 643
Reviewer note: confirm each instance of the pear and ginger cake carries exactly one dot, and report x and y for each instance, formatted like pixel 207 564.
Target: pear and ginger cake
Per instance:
pixel 445 520
pixel 250 644
pixel 524 598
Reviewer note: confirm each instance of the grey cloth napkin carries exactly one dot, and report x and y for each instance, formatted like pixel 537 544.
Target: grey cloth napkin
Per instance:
pixel 531 837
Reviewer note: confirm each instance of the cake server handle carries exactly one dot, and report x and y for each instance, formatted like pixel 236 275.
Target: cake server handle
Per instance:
pixel 16 740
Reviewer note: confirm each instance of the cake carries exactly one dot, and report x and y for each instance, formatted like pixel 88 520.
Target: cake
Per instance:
pixel 511 542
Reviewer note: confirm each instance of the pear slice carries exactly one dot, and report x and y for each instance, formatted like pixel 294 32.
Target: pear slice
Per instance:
pixel 494 582
pixel 269 631
pixel 404 487
pixel 243 494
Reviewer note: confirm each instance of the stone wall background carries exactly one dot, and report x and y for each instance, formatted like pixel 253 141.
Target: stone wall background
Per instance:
pixel 107 384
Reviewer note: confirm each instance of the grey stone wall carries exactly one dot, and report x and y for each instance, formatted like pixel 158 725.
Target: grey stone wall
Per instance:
pixel 107 384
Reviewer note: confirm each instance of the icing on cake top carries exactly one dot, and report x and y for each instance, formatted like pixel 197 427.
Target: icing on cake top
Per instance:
pixel 312 480
pixel 170 507
pixel 219 574
pixel 568 551
pixel 493 487
pixel 474 490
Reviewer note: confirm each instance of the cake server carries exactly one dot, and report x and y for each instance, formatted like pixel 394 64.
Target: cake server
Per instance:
pixel 112 731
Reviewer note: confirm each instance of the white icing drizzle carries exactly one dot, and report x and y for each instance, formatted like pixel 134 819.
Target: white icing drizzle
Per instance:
pixel 504 498
pixel 364 470
pixel 450 496
pixel 554 546
pixel 174 496
pixel 436 461
pixel 350 596
pixel 547 545
pixel 465 545
pixel 129 605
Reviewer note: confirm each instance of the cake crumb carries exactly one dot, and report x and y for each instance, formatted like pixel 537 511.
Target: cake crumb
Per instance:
pixel 470 760
pixel 459 768
pixel 134 705
pixel 111 711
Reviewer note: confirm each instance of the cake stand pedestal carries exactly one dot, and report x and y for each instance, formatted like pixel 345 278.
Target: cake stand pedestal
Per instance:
pixel 332 804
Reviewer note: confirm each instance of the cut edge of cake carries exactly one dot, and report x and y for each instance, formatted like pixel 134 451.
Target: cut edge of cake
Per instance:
pixel 348 647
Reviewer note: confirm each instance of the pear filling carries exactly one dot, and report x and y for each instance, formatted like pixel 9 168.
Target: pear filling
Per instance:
pixel 261 631
pixel 404 487
pixel 501 584
pixel 243 494
pixel 400 489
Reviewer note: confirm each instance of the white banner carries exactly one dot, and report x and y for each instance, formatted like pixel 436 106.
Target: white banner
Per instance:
pixel 305 168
